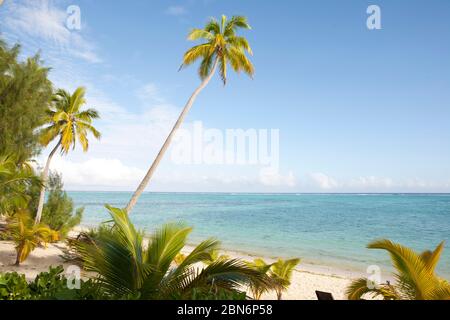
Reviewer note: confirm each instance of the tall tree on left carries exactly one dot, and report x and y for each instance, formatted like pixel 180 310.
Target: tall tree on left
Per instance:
pixel 25 94
pixel 67 123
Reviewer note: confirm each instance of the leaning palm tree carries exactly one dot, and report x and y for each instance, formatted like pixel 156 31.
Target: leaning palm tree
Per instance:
pixel 221 48
pixel 415 276
pixel 281 273
pixel 67 123
pixel 126 268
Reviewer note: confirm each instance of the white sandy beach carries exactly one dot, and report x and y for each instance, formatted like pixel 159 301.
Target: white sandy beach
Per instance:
pixel 306 278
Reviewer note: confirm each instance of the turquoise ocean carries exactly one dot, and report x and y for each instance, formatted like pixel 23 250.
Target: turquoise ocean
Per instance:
pixel 323 229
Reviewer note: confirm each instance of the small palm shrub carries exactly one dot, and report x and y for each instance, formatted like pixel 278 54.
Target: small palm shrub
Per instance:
pixel 260 266
pixel 281 273
pixel 415 276
pixel 128 269
pixel 27 235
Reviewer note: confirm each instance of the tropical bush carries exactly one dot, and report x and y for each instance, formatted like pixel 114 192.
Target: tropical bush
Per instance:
pixel 14 286
pixel 415 276
pixel 51 285
pixel 59 213
pixel 128 269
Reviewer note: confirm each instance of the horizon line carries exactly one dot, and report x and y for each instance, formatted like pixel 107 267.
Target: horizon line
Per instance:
pixel 269 193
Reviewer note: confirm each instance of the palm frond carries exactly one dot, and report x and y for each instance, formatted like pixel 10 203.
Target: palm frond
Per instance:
pixel 431 258
pixel 197 34
pixel 165 244
pixel 213 26
pixel 195 53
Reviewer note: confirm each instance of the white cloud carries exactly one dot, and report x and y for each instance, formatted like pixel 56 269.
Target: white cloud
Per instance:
pixel 150 93
pixel 371 182
pixel 322 181
pixel 96 172
pixel 272 178
pixel 176 10
pixel 44 24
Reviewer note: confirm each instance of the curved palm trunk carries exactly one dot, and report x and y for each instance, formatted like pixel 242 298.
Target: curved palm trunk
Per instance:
pixel 166 145
pixel 44 181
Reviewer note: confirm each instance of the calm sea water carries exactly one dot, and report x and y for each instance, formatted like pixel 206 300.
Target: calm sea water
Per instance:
pixel 330 230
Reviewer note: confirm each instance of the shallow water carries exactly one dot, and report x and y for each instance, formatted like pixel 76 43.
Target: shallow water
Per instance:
pixel 324 229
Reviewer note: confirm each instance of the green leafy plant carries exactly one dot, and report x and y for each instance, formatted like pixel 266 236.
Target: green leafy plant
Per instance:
pixel 415 276
pixel 14 286
pixel 51 285
pixel 126 268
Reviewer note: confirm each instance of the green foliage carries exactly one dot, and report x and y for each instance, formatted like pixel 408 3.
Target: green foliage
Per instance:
pixel 218 294
pixel 25 93
pixel 415 276
pixel 15 182
pixel 58 211
pixel 126 268
pixel 14 286
pixel 51 285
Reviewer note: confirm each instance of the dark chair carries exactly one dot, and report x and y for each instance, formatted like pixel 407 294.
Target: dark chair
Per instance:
pixel 324 296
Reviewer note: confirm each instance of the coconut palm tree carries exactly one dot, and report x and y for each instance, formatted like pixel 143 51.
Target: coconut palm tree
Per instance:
pixel 221 47
pixel 415 276
pixel 67 123
pixel 281 273
pixel 126 268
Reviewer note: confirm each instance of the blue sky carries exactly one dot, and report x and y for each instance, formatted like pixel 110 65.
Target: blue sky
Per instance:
pixel 358 110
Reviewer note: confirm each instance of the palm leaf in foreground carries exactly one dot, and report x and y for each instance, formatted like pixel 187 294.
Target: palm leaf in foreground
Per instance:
pixel 415 276
pixel 126 268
